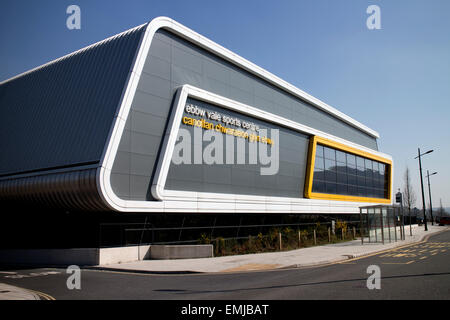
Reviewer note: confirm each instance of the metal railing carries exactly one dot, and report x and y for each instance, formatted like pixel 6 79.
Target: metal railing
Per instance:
pixel 128 234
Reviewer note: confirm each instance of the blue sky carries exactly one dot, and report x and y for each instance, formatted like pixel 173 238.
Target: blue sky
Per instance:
pixel 395 80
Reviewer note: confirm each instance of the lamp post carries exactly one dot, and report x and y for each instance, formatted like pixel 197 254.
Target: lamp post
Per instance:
pixel 429 192
pixel 421 185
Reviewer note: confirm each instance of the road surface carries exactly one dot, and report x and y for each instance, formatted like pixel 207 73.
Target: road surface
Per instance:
pixel 418 271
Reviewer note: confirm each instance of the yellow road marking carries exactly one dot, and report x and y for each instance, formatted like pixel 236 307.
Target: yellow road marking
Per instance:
pixel 40 294
pixel 409 262
pixel 423 258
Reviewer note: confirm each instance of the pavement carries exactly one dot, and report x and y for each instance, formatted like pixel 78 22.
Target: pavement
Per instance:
pixel 300 258
pixel 8 292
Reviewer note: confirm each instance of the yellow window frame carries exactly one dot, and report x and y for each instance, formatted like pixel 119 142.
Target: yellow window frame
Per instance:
pixel 339 146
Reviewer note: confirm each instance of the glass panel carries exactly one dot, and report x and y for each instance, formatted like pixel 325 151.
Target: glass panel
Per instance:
pixel 319 162
pixel 330 188
pixel 342 168
pixel 352 190
pixel 340 156
pixel 351 170
pixel 342 189
pixel 360 162
pixel 330 153
pixel 330 165
pixel 361 181
pixel 352 180
pixel 368 164
pixel 351 160
pixel 382 168
pixel 330 176
pixel 319 174
pixel 318 186
pixel 361 191
pixel 375 167
pixel 319 151
pixel 342 178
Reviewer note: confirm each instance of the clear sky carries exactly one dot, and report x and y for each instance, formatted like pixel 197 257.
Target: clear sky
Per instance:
pixel 395 80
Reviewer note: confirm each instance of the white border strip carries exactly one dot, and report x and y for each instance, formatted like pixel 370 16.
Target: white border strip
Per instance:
pixel 177 201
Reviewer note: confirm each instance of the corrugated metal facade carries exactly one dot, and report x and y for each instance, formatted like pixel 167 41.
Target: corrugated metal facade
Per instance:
pixel 58 116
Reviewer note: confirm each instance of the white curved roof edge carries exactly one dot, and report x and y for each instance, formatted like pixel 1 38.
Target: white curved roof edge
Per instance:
pixel 209 45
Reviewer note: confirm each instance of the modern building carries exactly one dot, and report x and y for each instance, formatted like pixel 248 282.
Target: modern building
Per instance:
pixel 115 127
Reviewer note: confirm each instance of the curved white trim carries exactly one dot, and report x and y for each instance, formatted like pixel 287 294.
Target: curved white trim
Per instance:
pixel 178 201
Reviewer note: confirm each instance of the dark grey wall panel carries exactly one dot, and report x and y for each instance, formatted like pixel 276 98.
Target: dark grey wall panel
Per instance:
pixel 60 114
pixel 173 62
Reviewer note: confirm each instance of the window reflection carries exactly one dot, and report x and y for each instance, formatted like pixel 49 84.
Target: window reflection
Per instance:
pixel 339 172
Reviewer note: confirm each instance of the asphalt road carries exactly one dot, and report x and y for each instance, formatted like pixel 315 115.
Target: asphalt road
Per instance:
pixel 418 271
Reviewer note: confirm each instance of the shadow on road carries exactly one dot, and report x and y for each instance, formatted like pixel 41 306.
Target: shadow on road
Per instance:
pixel 187 291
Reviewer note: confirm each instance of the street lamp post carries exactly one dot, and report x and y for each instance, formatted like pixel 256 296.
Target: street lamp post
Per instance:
pixel 429 193
pixel 421 185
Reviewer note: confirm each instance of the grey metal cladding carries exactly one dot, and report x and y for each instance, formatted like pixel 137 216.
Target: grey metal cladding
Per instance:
pixel 60 114
pixel 75 189
pixel 244 178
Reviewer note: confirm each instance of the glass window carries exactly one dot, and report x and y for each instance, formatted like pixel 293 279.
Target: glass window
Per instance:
pixel 342 178
pixel 361 181
pixel 330 176
pixel 339 172
pixel 368 164
pixel 319 163
pixel 362 192
pixel 382 167
pixel 375 167
pixel 351 171
pixel 330 153
pixel 330 188
pixel 342 168
pixel 360 162
pixel 342 189
pixel 318 186
pixel 352 179
pixel 361 172
pixel 352 190
pixel 319 151
pixel 330 165
pixel 351 160
pixel 319 174
pixel 340 157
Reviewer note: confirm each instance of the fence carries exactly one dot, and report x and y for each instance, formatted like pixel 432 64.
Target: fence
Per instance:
pixel 243 237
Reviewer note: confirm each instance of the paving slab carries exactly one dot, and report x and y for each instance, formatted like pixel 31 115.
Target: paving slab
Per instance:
pixel 8 292
pixel 305 257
